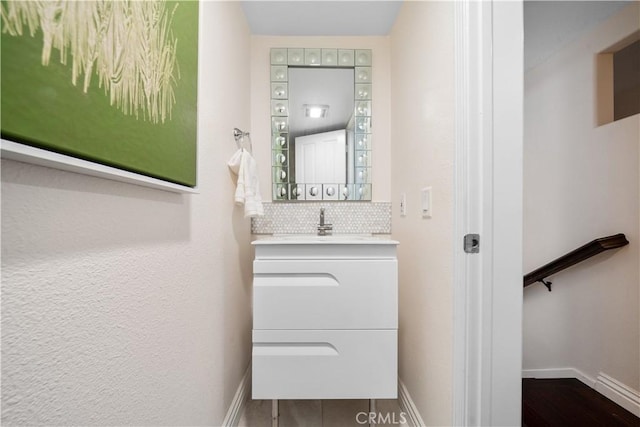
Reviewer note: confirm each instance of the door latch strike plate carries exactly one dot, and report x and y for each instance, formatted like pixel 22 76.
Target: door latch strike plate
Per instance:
pixel 472 243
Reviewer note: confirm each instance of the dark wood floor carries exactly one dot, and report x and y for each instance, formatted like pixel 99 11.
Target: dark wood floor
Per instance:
pixel 569 402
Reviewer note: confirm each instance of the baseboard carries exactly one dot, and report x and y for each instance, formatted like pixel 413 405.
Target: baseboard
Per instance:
pixel 559 373
pixel 620 393
pixel 406 404
pixel 239 400
pixel 607 386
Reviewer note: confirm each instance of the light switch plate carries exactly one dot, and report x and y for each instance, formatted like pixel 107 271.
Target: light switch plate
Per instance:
pixel 426 203
pixel 403 204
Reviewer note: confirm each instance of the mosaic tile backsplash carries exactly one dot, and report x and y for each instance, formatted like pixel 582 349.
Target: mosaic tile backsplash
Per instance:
pixel 303 218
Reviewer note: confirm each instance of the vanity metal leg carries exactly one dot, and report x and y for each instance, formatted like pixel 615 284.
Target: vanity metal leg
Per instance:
pixel 372 410
pixel 274 413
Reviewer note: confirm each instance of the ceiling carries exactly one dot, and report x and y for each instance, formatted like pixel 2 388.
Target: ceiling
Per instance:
pixel 321 18
pixel 548 24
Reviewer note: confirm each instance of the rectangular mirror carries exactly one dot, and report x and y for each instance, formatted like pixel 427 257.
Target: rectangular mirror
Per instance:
pixel 321 124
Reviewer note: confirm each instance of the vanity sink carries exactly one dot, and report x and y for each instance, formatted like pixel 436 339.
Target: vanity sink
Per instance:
pixel 325 317
pixel 314 238
pixel 335 246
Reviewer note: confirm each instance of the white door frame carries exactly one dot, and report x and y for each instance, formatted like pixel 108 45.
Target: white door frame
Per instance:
pixel 487 350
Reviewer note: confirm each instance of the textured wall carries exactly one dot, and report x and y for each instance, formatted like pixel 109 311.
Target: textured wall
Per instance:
pixel 581 181
pixel 128 305
pixel 422 88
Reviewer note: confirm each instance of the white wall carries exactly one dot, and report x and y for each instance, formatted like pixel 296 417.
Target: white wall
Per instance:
pixel 546 33
pixel 581 182
pixel 125 305
pixel 261 103
pixel 422 117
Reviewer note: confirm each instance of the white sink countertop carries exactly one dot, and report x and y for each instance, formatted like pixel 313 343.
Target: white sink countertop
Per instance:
pixel 338 239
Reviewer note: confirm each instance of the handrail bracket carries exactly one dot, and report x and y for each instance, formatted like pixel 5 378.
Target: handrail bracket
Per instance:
pixel 546 283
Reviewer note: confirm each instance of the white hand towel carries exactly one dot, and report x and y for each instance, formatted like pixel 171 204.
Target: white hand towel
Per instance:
pixel 247 188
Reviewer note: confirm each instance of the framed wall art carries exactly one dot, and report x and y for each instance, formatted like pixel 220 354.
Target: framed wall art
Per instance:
pixel 110 82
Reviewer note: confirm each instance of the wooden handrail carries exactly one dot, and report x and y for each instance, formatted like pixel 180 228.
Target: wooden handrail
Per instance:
pixel 577 255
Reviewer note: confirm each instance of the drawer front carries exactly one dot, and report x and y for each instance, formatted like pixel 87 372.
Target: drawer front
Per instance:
pixel 325 294
pixel 325 364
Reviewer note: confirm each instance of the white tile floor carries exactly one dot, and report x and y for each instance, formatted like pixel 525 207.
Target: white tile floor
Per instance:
pixel 321 413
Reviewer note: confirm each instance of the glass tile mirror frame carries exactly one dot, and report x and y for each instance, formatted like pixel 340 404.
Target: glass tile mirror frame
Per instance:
pixel 283 187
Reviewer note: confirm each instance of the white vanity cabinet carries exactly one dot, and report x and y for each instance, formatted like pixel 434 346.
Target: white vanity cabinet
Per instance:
pixel 325 318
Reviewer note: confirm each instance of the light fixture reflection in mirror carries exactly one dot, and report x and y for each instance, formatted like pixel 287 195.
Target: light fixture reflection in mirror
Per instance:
pixel 315 111
pixel 321 146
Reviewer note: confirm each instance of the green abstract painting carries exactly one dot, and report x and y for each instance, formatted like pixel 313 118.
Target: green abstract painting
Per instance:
pixel 109 81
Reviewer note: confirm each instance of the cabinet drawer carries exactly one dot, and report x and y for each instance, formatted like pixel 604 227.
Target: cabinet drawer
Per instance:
pixel 325 294
pixel 325 364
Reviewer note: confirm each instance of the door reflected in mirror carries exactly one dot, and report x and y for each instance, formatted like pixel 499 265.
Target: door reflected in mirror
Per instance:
pixel 321 124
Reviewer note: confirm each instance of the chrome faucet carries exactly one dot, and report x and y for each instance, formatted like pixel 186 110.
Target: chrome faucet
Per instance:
pixel 324 229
